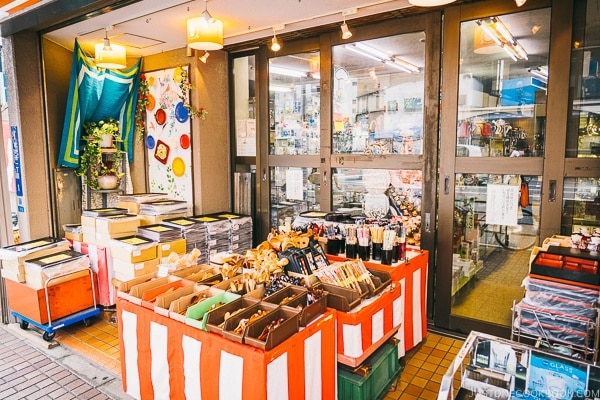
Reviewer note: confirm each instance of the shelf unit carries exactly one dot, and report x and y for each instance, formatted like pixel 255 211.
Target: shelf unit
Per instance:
pixel 102 198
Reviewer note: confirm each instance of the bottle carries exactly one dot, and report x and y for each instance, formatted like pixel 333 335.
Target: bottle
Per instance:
pixel 402 244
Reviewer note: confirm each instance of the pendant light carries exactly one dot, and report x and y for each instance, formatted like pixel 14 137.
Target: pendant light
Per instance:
pixel 205 32
pixel 275 45
pixel 110 55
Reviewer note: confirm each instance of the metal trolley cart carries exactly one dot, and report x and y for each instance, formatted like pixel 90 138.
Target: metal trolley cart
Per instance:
pixel 50 328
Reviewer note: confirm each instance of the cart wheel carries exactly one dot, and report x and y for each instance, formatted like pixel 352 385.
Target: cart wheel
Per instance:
pixel 87 322
pixel 48 336
pixel 24 324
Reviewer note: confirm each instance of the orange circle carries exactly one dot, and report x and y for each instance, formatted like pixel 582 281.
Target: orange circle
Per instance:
pixel 150 102
pixel 178 166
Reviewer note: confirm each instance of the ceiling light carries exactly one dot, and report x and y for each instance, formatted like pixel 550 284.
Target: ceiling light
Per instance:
pixel 346 34
pixel 535 28
pixel 204 57
pixel 519 3
pixel 275 46
pixel 353 49
pixel 373 51
pixel 287 72
pixel 540 72
pixel 406 65
pixel 205 32
pixel 499 33
pixel 430 3
pixel 109 55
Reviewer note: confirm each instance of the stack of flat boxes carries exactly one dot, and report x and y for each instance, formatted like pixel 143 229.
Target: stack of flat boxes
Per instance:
pixel 14 257
pixel 240 231
pixel 217 233
pixel 194 233
pixel 102 229
pixel 169 239
pixel 133 256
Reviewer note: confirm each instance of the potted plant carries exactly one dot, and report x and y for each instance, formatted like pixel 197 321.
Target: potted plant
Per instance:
pixel 101 156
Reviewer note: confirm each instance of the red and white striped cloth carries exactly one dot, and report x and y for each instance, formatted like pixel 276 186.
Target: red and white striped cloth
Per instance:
pixel 101 263
pixel 164 359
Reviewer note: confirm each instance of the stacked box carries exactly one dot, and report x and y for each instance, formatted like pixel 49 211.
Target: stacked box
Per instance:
pixel 42 270
pixel 383 369
pixel 99 227
pixel 194 233
pixel 133 256
pixel 217 233
pixel 13 257
pixel 134 201
pixel 240 231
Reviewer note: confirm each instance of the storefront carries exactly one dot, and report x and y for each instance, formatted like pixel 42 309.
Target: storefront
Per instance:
pixel 428 109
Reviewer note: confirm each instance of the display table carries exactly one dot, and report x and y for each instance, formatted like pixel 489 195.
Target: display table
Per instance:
pixel 412 277
pixel 101 263
pixel 162 358
pixel 363 330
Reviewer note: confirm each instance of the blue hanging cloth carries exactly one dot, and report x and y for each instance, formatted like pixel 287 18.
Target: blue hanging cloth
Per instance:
pixel 96 94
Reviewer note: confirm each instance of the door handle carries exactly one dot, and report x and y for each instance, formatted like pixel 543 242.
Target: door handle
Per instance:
pixel 446 184
pixel 552 191
pixel 264 175
pixel 325 178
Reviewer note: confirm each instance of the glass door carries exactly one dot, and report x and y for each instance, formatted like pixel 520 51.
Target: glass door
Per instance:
pixel 493 148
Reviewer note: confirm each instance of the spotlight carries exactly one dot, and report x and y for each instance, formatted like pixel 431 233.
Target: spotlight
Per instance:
pixel 346 34
pixel 519 3
pixel 535 28
pixel 204 57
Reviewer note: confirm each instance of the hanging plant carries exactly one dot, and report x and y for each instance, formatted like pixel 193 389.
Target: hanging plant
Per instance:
pixel 140 110
pixel 186 87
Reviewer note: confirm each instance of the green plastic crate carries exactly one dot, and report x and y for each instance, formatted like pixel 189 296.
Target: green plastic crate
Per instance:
pixel 384 369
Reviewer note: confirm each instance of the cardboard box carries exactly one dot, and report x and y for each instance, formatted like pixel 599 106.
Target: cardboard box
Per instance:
pixel 157 219
pixel 276 335
pixel 137 291
pixel 178 308
pixel 215 319
pixel 14 256
pixel 103 238
pixel 49 268
pixel 133 249
pixel 33 304
pixel 118 224
pixel 132 206
pixel 88 221
pixel 232 323
pixel 196 314
pixel 165 248
pixel 78 237
pixel 150 296
pixel 124 270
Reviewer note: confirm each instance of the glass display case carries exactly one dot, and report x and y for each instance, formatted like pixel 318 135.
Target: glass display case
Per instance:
pixel 378 91
pixel 581 205
pixel 583 134
pixel 502 85
pixel 294 92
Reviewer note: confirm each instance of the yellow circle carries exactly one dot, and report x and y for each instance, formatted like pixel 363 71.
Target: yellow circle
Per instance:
pixel 178 74
pixel 151 81
pixel 178 166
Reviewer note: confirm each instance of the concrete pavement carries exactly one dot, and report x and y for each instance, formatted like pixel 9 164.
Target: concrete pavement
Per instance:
pixel 31 368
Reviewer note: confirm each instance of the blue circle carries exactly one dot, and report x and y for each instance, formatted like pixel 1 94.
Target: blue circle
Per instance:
pixel 181 112
pixel 150 143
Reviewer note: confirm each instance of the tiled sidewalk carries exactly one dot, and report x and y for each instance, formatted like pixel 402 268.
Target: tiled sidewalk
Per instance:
pixel 34 369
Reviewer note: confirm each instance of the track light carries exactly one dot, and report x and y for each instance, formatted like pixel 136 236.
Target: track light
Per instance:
pixel 519 3
pixel 275 46
pixel 205 14
pixel 535 28
pixel 346 34
pixel 204 56
pixel 287 72
pixel 109 55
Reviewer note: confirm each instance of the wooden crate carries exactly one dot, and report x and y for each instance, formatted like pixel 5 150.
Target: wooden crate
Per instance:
pixel 64 298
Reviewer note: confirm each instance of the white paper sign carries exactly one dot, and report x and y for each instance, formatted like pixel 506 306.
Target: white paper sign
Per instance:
pixel 294 188
pixel 502 205
pixel 245 132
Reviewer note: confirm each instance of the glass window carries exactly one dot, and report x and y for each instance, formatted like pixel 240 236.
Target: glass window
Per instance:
pixel 583 134
pixel 379 193
pixel 378 91
pixel 496 219
pixel 294 101
pixel 502 85
pixel 581 206
pixel 293 191
pixel 244 106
